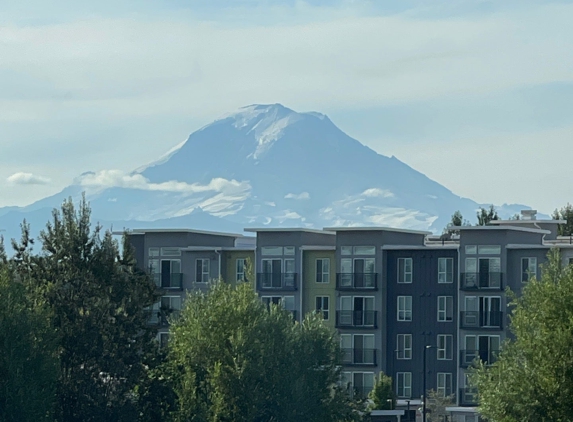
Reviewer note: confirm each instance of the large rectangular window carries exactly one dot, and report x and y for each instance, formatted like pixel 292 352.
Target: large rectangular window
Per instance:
pixel 404 270
pixel 153 252
pixel 404 346
pixel 170 273
pixel 445 270
pixel 202 270
pixel 404 308
pixel 363 349
pixel 528 268
pixel 444 384
pixel 323 306
pixel 489 250
pixel 445 308
pixel 363 382
pixel 364 250
pixel 445 346
pixel 404 385
pixel 323 270
pixel 170 252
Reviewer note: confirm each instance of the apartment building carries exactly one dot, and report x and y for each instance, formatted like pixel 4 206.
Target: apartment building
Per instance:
pixel 421 308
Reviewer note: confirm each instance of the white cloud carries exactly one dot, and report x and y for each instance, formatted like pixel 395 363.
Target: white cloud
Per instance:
pixel 22 178
pixel 118 178
pixel 302 195
pixel 377 193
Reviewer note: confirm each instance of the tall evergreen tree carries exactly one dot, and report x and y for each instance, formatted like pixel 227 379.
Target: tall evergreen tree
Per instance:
pixel 99 302
pixel 484 216
pixel 28 353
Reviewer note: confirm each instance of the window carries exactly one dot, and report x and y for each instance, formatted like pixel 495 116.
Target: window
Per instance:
pixel 322 305
pixel 445 308
pixel 153 252
pixel 404 346
pixel 445 270
pixel 363 382
pixel 155 271
pixel 289 250
pixel 404 270
pixel 444 384
pixel 346 380
pixel 202 271
pixel 171 276
pixel 163 339
pixel 170 307
pixel 570 261
pixel 364 250
pixel 356 311
pixel 170 252
pixel 528 268
pixel 289 273
pixel 346 250
pixel 323 270
pixel 471 249
pixel 483 273
pixel 489 250
pixel 240 269
pixel 272 250
pixel 404 385
pixel 287 302
pixel 404 308
pixel 445 346
pixel 363 350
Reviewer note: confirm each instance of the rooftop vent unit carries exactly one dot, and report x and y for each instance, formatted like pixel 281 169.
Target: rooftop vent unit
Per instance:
pixel 528 214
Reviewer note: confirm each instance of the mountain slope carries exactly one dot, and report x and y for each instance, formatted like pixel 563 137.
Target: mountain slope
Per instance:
pixel 264 165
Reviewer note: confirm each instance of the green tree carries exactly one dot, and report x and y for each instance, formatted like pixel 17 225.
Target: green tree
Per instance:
pixel 99 300
pixel 382 395
pixel 457 220
pixel 484 216
pixel 232 359
pixel 437 403
pixel 532 379
pixel 565 213
pixel 28 353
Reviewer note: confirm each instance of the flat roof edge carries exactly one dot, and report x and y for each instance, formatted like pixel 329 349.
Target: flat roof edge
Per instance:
pixel 377 228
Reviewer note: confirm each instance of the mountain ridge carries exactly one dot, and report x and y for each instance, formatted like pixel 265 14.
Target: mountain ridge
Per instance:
pixel 264 165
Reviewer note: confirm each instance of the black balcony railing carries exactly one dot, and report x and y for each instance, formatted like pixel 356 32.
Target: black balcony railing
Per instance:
pixel 477 319
pixel 358 356
pixel 356 319
pixel 172 281
pixel 359 392
pixel 356 281
pixel 276 281
pixel 469 357
pixel 482 281
pixel 468 396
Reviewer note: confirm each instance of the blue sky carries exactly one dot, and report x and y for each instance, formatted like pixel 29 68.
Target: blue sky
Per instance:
pixel 478 95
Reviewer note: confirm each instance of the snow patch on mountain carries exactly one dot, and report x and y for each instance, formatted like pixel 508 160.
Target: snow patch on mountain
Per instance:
pixel 377 192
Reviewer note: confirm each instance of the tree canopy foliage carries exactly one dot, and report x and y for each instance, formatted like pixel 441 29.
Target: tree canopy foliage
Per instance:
pixel 565 213
pixel 232 359
pixel 28 353
pixel 532 379
pixel 97 299
pixel 382 396
pixel 485 216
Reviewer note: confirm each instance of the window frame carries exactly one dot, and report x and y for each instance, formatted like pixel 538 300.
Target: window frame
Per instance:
pixel 401 378
pixel 527 274
pixel 406 351
pixel 447 260
pixel 443 390
pixel 448 345
pixel 403 273
pixel 322 273
pixel 405 310
pixel 325 313
pixel 444 312
pixel 203 272
pixel 237 272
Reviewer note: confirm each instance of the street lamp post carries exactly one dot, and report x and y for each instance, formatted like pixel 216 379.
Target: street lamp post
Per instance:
pixel 424 384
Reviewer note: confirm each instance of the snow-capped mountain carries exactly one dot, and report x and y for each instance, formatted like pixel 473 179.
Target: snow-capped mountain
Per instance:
pixel 264 165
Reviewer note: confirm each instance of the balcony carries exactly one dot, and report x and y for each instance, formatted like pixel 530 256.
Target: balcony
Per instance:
pixel 478 320
pixel 468 396
pixel 357 281
pixel 359 392
pixel 359 356
pixel 277 281
pixel 169 281
pixel 356 319
pixel 161 318
pixel 468 357
pixel 482 281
